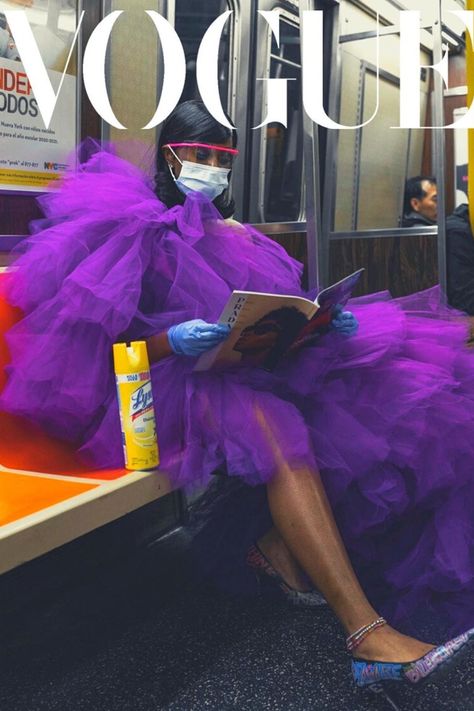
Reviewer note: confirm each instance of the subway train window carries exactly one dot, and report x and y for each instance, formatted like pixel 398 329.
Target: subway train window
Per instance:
pixel 191 22
pixel 372 197
pixel 283 191
pixel 380 190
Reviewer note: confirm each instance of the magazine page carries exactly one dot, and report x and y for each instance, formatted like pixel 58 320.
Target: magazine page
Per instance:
pixel 263 328
pixel 338 293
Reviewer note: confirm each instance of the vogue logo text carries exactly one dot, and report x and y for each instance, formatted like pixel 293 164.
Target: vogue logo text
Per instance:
pixel 207 69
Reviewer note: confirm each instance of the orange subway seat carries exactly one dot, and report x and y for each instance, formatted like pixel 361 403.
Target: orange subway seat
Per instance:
pixel 23 495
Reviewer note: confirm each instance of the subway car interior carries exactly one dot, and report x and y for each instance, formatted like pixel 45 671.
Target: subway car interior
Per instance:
pixel 107 600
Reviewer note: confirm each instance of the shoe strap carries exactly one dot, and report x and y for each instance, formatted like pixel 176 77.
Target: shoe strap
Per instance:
pixel 258 560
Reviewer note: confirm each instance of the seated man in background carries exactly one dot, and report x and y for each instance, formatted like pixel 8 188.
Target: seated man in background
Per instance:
pixel 420 201
pixel 460 258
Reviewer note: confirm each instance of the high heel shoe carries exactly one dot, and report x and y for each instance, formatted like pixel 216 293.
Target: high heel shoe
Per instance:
pixel 372 674
pixel 265 572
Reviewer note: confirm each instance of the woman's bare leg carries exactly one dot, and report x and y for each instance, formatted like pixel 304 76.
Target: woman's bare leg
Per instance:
pixel 303 517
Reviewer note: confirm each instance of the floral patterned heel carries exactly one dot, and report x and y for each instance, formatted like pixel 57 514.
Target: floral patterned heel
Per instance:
pixel 264 571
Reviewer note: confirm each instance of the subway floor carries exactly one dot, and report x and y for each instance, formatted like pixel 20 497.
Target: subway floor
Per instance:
pixel 147 633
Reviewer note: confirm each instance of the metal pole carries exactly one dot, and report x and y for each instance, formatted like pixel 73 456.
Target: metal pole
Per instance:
pixel 313 193
pixel 439 150
pixel 332 146
pixel 470 133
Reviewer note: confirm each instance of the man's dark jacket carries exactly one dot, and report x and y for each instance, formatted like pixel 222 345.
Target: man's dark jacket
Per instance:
pixel 460 256
pixel 416 219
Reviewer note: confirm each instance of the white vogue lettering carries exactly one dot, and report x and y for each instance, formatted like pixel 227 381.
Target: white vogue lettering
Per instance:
pixel 95 83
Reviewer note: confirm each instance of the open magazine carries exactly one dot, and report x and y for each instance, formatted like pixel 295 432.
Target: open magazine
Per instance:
pixel 266 327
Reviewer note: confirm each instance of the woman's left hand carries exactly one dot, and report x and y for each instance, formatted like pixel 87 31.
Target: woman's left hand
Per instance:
pixel 344 322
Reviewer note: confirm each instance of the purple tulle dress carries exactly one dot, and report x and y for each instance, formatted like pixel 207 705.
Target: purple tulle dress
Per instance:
pixel 387 415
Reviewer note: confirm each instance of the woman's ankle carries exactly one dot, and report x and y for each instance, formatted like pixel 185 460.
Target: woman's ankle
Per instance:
pixel 387 645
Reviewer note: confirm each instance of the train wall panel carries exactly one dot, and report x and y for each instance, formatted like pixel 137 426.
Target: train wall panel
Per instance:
pixel 402 265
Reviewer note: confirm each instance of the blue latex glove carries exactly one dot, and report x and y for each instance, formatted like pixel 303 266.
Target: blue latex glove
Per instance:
pixel 194 337
pixel 344 322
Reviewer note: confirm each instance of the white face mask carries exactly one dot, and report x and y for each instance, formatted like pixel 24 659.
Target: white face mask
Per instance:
pixel 199 177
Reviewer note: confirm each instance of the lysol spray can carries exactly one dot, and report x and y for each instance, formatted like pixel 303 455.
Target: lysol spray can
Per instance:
pixel 137 416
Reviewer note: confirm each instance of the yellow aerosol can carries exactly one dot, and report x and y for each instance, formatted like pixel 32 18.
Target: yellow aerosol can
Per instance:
pixel 135 396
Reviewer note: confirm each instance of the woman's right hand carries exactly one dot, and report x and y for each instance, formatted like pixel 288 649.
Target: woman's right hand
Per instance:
pixel 192 338
pixel 344 322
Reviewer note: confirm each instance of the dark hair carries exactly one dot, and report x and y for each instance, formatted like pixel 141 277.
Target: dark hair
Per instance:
pixel 190 121
pixel 413 189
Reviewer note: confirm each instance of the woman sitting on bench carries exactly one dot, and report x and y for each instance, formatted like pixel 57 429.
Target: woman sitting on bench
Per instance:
pixel 375 429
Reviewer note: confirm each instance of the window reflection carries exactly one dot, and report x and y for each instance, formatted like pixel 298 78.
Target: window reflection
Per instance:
pixel 373 162
pixel 53 23
pixel 191 22
pixel 379 188
pixel 283 190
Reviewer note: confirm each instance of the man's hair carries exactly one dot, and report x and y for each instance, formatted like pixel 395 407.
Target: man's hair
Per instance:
pixel 413 189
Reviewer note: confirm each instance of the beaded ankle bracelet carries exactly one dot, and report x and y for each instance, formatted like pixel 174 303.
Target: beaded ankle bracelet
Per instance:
pixel 359 635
